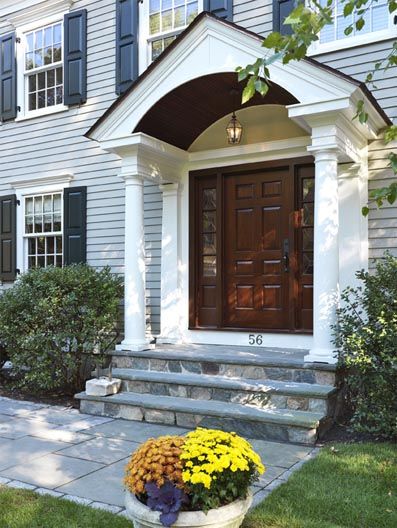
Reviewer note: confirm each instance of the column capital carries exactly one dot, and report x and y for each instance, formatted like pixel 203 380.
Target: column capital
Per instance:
pixel 131 178
pixel 324 153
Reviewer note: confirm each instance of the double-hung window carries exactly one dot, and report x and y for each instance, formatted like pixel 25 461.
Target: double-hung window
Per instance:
pixel 43 67
pixel 165 20
pixel 43 230
pixel 379 25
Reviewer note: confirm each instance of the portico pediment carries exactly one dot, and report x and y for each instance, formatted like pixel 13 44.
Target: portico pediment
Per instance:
pixel 211 46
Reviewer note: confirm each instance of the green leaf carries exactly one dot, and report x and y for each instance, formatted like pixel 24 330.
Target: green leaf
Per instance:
pixel 348 30
pixel 348 9
pixel 249 90
pixel 360 23
pixel 365 210
pixel 261 87
pixel 242 75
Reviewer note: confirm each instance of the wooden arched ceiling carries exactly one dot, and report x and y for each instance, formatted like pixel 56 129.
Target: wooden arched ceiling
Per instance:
pixel 183 114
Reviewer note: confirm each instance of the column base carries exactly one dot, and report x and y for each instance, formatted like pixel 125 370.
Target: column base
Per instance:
pixel 321 355
pixel 137 346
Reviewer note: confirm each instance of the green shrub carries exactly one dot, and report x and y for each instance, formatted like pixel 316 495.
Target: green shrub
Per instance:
pixel 53 319
pixel 366 336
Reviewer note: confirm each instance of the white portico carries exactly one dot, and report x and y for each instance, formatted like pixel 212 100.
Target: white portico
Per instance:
pixel 163 132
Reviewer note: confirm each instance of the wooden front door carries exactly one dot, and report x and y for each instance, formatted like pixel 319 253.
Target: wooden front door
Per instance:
pixel 256 243
pixel 251 250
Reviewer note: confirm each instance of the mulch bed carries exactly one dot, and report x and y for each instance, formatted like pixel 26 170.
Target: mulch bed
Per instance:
pixel 9 390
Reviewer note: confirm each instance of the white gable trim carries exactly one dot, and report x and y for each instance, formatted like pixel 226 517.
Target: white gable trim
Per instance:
pixel 212 46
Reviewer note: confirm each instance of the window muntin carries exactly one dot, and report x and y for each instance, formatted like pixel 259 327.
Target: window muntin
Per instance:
pixel 167 18
pixel 377 18
pixel 43 230
pixel 43 65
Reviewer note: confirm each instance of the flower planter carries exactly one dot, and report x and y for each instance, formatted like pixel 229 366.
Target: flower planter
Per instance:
pixel 230 516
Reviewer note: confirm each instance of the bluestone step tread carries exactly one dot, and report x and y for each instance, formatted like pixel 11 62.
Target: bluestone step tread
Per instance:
pixel 222 382
pixel 266 357
pixel 302 419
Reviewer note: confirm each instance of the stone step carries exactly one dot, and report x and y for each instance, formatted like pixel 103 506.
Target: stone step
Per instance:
pixel 263 394
pixel 235 362
pixel 275 424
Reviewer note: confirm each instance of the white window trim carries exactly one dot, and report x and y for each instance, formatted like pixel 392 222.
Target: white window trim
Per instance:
pixel 361 39
pixel 23 113
pixel 26 236
pixel 24 189
pixel 144 36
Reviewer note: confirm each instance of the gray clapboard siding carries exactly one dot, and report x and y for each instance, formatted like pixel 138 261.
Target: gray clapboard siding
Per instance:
pixel 52 144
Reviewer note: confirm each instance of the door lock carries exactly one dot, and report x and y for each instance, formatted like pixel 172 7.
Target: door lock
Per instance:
pixel 286 254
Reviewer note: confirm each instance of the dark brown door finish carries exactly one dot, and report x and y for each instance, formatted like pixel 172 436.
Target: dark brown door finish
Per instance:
pixel 251 249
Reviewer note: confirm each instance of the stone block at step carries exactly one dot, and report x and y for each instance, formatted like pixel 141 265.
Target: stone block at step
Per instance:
pixel 97 408
pixel 127 412
pixel 160 417
pixel 102 386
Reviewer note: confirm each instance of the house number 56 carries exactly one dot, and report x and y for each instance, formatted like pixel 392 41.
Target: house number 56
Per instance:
pixel 255 339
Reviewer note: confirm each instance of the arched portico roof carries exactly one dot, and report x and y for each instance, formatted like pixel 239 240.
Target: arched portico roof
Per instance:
pixel 211 48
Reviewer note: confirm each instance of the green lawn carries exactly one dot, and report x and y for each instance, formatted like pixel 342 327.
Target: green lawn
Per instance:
pixel 354 486
pixel 25 509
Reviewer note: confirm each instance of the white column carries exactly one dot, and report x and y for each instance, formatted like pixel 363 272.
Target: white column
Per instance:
pixel 134 267
pixel 326 255
pixel 170 262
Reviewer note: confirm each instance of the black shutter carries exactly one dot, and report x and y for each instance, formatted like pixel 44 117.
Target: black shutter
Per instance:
pixel 220 8
pixel 8 242
pixel 126 44
pixel 75 57
pixel 281 9
pixel 75 225
pixel 8 78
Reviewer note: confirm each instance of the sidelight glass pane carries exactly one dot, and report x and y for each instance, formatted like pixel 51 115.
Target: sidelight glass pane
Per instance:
pixel 307 238
pixel 209 266
pixel 308 190
pixel 209 199
pixel 308 214
pixel 209 244
pixel 307 263
pixel 209 221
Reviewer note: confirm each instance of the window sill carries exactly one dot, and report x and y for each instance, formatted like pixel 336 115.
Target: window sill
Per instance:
pixel 44 112
pixel 351 42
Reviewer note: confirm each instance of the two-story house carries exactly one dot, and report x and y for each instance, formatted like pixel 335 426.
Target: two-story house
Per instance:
pixel 123 142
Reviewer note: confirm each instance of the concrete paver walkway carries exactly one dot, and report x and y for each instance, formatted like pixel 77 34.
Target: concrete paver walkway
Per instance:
pixel 59 451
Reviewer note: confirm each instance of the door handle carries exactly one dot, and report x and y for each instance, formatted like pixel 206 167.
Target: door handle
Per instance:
pixel 286 254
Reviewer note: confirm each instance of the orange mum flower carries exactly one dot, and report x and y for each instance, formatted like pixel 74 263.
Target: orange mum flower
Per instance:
pixel 156 460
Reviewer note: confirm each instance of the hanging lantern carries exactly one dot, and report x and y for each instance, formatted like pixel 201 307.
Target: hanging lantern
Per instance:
pixel 234 130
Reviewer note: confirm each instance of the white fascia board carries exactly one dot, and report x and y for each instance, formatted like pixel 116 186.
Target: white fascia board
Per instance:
pixel 215 47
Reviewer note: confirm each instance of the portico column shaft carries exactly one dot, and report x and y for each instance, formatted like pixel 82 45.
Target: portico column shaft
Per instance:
pixel 326 256
pixel 134 270
pixel 170 286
